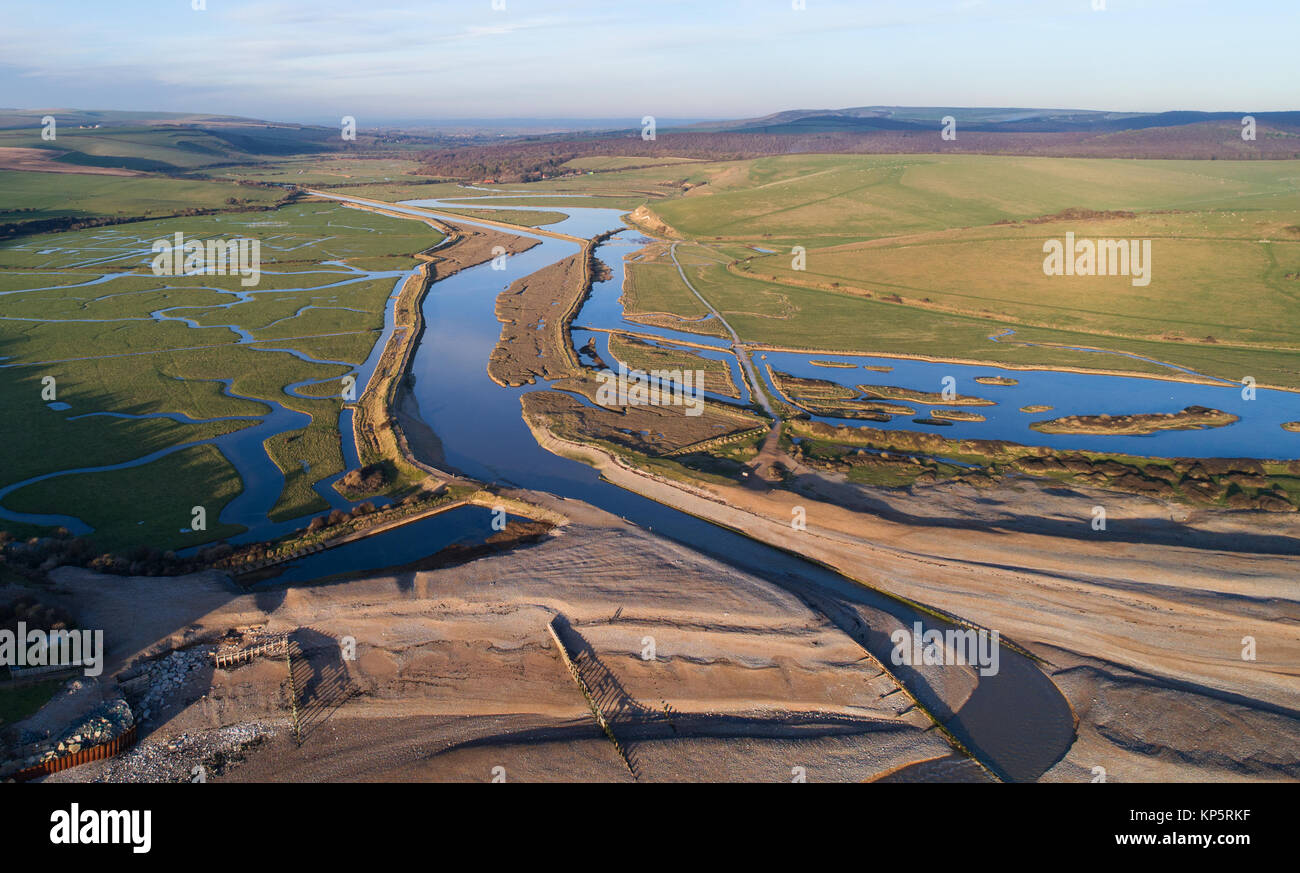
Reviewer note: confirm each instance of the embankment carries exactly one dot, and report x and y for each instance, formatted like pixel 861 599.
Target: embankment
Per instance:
pixel 379 414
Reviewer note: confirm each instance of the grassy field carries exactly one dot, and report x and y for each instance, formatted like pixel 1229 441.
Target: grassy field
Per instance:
pixel 26 197
pixel 188 144
pixel 143 148
pixel 654 293
pixel 108 354
pixel 819 200
pixel 1205 266
pixel 323 171
pixel 19 701
pixel 933 255
pixel 625 204
pixel 428 188
pixel 181 168
pixel 779 315
pixel 408 188
pixel 636 186
pixel 128 507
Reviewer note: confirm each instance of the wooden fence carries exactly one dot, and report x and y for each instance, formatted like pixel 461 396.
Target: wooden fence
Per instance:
pixel 273 647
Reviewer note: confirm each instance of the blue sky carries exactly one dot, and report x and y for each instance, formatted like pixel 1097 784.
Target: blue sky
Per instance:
pixel 316 60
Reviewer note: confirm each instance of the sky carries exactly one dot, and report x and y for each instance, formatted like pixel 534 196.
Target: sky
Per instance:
pixel 314 61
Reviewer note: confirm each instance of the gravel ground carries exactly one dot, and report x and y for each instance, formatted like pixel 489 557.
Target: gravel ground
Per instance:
pixel 186 757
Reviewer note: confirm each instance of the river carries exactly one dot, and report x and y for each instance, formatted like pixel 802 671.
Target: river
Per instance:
pixel 1016 722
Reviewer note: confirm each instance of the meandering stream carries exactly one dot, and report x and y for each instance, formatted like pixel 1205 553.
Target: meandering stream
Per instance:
pixel 262 478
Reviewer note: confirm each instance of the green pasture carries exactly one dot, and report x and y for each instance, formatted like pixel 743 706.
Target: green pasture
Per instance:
pixel 105 354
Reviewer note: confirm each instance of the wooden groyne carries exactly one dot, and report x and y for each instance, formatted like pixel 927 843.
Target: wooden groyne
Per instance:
pixel 28 675
pixel 587 695
pixel 293 694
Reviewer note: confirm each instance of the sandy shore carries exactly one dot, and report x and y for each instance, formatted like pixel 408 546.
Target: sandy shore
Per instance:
pixel 1160 625
pixel 455 674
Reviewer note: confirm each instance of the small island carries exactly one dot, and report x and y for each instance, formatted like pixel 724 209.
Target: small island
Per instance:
pixel 1003 381
pixel 838 364
pixel 821 397
pixel 956 415
pixel 1191 418
pixel 863 413
pixel 866 409
pixel 929 398
pixel 1037 407
pixel 1292 426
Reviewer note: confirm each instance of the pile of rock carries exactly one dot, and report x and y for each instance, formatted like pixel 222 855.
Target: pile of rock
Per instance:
pixel 154 684
pixel 104 723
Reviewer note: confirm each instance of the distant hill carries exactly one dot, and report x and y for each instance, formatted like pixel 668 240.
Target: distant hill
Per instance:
pixel 194 143
pixel 890 130
pixel 171 143
pixel 870 119
pixel 28 118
